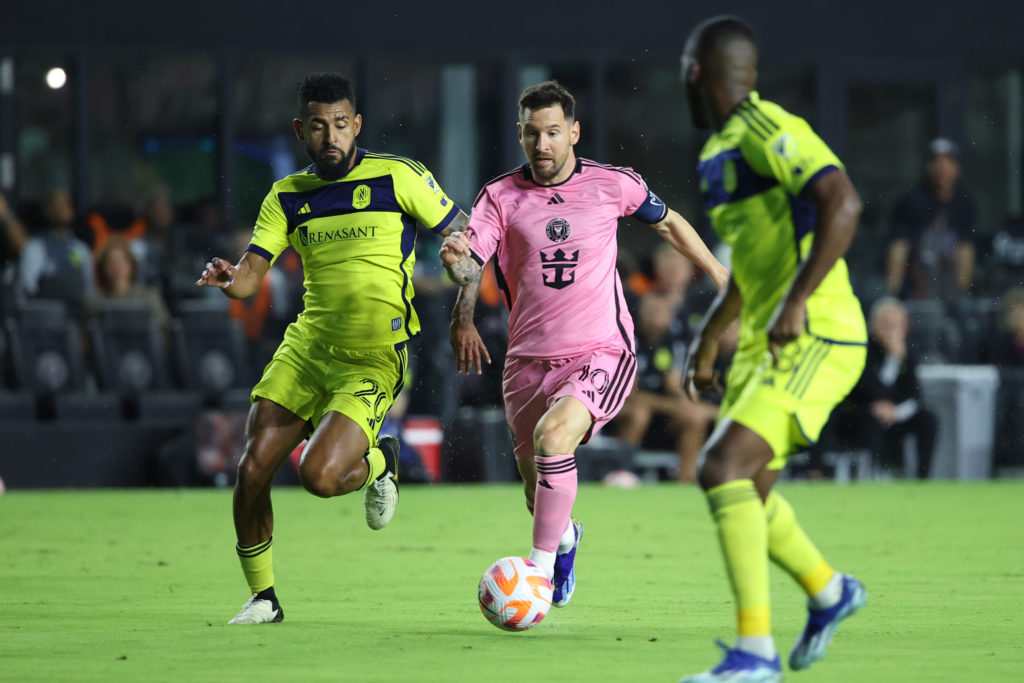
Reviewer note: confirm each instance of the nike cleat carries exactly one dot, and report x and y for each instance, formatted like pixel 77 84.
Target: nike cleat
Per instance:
pixel 381 497
pixel 259 610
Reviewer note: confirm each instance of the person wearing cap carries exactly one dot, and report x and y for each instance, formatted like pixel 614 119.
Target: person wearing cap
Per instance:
pixel 931 244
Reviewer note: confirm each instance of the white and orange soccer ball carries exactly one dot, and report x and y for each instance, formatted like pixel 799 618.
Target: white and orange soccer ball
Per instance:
pixel 514 594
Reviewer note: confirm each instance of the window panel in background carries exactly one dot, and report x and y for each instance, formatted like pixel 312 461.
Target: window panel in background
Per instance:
pixel 44 118
pixel 265 88
pixel 889 126
pixel 154 126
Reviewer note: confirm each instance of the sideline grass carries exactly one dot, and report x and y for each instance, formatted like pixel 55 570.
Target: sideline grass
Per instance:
pixel 138 585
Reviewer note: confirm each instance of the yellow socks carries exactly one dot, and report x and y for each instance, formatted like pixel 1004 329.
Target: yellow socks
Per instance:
pixel 257 565
pixel 376 464
pixel 742 526
pixel 790 548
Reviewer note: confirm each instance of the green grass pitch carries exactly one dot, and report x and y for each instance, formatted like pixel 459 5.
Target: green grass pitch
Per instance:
pixel 138 585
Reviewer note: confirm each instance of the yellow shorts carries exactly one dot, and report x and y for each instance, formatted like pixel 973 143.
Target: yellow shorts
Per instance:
pixel 789 404
pixel 310 378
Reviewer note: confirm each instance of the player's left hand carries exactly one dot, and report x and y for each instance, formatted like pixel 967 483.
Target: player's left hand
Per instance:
pixel 470 351
pixel 700 373
pixel 454 247
pixel 785 325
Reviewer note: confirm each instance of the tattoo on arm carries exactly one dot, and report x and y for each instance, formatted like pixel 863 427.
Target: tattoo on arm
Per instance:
pixel 465 304
pixel 465 271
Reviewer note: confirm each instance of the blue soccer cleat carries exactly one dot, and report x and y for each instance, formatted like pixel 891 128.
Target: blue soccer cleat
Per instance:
pixel 564 580
pixel 822 624
pixel 739 666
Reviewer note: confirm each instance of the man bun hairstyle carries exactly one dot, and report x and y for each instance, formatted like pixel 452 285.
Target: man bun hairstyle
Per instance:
pixel 547 94
pixel 325 87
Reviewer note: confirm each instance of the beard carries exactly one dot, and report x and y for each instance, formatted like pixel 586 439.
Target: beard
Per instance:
pixel 696 110
pixel 332 170
pixel 549 173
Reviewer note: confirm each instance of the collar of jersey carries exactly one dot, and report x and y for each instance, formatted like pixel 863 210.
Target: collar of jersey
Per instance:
pixel 752 97
pixel 528 174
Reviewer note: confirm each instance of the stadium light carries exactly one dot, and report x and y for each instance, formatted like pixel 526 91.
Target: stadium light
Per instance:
pixel 56 78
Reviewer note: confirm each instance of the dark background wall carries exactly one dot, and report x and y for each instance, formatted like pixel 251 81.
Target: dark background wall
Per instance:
pixel 641 29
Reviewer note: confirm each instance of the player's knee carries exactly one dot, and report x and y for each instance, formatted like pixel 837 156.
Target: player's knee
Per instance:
pixel 552 437
pixel 317 481
pixel 253 474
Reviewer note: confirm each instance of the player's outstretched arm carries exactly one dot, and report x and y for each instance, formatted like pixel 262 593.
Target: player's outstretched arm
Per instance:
pixel 238 281
pixel 839 208
pixel 470 352
pixel 700 359
pixel 678 232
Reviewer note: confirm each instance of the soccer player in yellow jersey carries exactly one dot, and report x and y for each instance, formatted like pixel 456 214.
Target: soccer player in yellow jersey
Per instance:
pixel 780 198
pixel 352 217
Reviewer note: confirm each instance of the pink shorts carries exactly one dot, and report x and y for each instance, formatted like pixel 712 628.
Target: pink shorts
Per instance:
pixel 600 379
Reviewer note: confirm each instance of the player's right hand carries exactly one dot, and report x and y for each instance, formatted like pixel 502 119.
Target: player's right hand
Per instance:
pixel 470 351
pixel 700 373
pixel 454 247
pixel 218 273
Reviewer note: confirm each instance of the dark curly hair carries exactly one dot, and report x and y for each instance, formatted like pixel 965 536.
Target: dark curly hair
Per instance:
pixel 325 87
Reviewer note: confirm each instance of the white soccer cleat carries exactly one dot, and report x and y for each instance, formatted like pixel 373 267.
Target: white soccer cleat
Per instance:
pixel 259 611
pixel 381 497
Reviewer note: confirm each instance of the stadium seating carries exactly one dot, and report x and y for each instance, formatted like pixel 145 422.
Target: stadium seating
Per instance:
pixel 15 403
pixel 210 353
pixel 129 350
pixel 52 364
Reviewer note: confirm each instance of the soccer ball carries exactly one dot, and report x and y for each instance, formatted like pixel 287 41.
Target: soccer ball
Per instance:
pixel 514 594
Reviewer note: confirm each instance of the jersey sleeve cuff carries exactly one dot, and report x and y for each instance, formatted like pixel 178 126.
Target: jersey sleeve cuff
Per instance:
pixel 823 171
pixel 449 217
pixel 476 257
pixel 260 251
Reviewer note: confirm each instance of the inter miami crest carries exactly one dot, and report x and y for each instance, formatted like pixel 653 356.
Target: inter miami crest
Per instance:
pixel 558 230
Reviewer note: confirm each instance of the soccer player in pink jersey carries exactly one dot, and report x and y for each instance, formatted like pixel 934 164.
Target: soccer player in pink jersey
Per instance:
pixel 552 226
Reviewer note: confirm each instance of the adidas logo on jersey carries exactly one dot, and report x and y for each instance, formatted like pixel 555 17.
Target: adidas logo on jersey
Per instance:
pixel 304 209
pixel 556 200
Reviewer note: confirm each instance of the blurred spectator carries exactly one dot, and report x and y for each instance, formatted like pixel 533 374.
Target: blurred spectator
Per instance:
pixel 676 277
pixel 107 221
pixel 931 251
pixel 1007 349
pixel 672 273
pixel 116 275
pixel 160 249
pixel 56 264
pixel 888 396
pixel 657 414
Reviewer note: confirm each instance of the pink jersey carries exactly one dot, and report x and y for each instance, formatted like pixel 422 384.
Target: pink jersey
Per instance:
pixel 556 252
